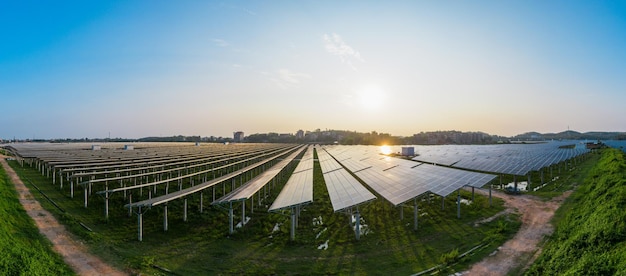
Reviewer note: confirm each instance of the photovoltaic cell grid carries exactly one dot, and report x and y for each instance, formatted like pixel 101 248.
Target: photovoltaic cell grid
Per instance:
pixel 399 180
pixel 174 166
pixel 247 190
pixel 618 144
pixel 299 187
pixel 447 180
pixel 517 159
pixel 197 188
pixel 343 189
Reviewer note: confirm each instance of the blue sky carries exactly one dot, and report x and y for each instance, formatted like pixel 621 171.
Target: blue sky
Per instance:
pixel 71 69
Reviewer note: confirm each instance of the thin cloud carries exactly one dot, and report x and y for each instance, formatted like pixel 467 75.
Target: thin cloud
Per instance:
pixel 335 45
pixel 220 42
pixel 249 11
pixel 292 77
pixel 285 78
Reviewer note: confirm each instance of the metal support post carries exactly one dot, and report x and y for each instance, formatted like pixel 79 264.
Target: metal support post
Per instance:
pixel 489 195
pixel 201 202
pixel 130 201
pixel 106 205
pixel 185 210
pixel 140 224
pixel 472 193
pixel 85 196
pixel 165 224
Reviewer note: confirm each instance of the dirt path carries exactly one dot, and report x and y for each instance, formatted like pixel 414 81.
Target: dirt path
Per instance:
pixel 535 216
pixel 74 252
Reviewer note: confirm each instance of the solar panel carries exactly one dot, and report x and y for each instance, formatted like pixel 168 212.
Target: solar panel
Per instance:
pixel 248 189
pixel 197 188
pixel 299 187
pixel 398 180
pixel 343 189
pixel 514 159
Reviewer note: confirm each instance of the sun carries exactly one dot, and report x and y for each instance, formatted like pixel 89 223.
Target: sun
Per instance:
pixel 371 98
pixel 386 150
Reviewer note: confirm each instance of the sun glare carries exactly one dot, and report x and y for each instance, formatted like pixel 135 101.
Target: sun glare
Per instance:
pixel 386 150
pixel 371 98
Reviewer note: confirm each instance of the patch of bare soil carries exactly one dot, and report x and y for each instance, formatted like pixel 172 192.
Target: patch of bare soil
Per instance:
pixel 73 251
pixel 535 215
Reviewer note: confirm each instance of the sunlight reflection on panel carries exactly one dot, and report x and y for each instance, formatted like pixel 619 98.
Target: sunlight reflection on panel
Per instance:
pixel 386 150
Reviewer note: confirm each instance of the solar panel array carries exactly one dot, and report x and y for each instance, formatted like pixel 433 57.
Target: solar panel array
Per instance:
pixel 202 186
pixel 148 165
pixel 299 188
pixel 398 180
pixel 195 169
pixel 515 159
pixel 343 189
pixel 251 187
pixel 618 144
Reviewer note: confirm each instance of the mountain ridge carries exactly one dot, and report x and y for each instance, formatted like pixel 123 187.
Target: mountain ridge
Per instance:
pixel 572 135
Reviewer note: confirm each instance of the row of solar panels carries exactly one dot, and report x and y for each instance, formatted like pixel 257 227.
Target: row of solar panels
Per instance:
pixel 396 180
pixel 618 144
pixel 399 180
pixel 515 159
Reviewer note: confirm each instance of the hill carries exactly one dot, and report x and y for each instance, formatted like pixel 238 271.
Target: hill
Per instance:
pixel 571 135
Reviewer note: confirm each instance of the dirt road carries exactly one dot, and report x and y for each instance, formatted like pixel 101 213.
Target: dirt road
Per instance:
pixel 74 253
pixel 535 216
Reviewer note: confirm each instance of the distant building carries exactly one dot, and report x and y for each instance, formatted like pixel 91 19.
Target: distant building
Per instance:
pixel 238 136
pixel 311 136
pixel 408 151
pixel 300 134
pixel 592 145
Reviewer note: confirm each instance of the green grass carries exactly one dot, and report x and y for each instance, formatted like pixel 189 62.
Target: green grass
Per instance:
pixel 590 235
pixel 202 244
pixel 24 250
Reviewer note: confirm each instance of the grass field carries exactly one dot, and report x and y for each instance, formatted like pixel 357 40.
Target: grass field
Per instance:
pixel 590 235
pixel 202 244
pixel 24 250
